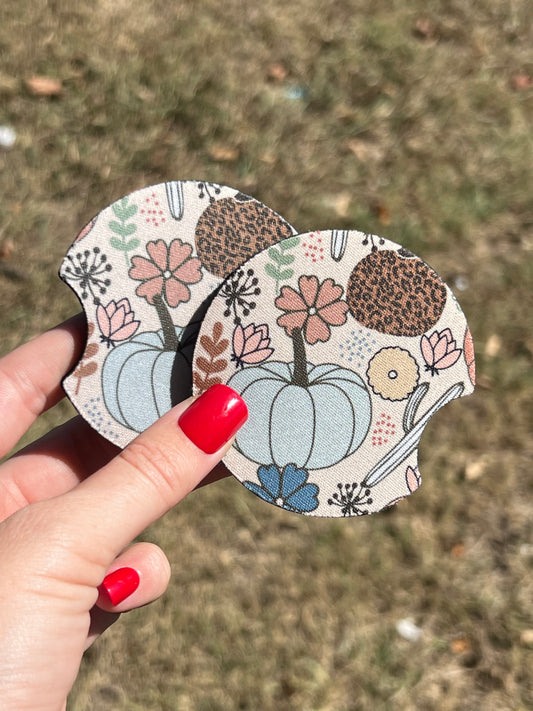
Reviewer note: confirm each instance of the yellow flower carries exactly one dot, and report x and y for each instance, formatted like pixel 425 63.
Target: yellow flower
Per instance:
pixel 393 373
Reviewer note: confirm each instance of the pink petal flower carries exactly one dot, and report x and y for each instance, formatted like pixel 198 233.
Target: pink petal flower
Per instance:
pixel 434 338
pixel 290 321
pixel 190 272
pixel 440 349
pixel 248 330
pixel 448 360
pixel 316 330
pixel 290 300
pixel 239 335
pixel 329 292
pixel 159 253
pixel 117 320
pixel 257 356
pixel 126 331
pixel 150 288
pixel 447 335
pixel 334 314
pixel 427 349
pixel 178 253
pixel 111 308
pixel 176 292
pixel 308 288
pixel 264 330
pixel 144 269
pixel 412 479
pixel 103 321
pixel 129 317
pixel 123 302
pixel 252 343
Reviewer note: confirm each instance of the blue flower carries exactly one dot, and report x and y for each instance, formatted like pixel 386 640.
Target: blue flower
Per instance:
pixel 287 488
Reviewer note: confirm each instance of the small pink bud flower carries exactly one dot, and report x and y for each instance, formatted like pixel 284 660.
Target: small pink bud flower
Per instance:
pixel 251 344
pixel 439 351
pixel 116 321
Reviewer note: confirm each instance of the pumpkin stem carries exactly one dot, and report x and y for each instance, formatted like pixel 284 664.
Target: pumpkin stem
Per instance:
pixel 169 332
pixel 300 360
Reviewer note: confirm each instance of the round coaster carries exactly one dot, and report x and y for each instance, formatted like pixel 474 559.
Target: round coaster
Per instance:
pixel 144 270
pixel 352 345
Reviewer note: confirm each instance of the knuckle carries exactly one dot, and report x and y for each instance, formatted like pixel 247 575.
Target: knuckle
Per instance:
pixel 163 470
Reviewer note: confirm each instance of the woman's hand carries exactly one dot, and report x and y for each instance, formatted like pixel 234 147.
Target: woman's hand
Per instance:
pixel 71 503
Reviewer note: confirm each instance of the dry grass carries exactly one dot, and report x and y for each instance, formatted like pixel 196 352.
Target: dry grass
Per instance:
pixel 410 122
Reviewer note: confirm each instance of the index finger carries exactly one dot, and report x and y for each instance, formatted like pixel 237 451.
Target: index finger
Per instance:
pixel 30 377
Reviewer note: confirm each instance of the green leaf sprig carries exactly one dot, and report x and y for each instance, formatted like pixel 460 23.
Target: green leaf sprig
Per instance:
pixel 278 268
pixel 123 228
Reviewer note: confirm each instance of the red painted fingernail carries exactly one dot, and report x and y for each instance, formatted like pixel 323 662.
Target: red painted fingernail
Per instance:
pixel 214 418
pixel 120 584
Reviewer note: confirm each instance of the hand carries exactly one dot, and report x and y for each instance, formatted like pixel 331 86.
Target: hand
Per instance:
pixel 71 503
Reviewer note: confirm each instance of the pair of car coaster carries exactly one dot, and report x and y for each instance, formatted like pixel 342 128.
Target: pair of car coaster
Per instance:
pixel 342 344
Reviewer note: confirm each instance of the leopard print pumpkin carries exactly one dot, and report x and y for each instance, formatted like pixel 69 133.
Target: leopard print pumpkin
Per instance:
pixel 231 230
pixel 395 295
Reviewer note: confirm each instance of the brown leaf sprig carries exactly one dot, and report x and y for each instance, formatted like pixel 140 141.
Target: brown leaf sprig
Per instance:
pixel 87 366
pixel 207 367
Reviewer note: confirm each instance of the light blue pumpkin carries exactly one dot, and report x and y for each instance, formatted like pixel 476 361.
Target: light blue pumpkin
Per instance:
pixel 137 377
pixel 312 427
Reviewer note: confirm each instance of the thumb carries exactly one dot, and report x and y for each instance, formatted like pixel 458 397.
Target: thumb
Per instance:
pixel 154 472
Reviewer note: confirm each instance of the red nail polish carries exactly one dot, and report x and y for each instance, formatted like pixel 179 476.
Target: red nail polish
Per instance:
pixel 214 418
pixel 120 584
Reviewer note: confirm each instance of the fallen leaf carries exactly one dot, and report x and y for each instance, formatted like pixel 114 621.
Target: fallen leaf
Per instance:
pixel 474 470
pixel 277 72
pixel 364 150
pixel 383 213
pixel 223 153
pixel 458 550
pixel 6 249
pixel 461 645
pixel 44 86
pixel 526 637
pixel 521 81
pixel 424 28
pixel 492 346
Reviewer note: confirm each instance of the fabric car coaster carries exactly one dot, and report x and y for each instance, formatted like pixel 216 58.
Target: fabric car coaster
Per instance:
pixel 353 345
pixel 144 270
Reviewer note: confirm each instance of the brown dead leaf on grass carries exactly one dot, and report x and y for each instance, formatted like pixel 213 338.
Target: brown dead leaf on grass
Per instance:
pixel 224 154
pixel 44 86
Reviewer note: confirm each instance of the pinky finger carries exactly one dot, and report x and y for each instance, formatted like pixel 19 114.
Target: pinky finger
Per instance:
pixel 137 577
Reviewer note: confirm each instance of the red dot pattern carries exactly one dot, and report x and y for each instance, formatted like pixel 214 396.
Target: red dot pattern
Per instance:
pixel 383 430
pixel 152 212
pixel 314 249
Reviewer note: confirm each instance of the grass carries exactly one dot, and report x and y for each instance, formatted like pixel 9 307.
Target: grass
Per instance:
pixel 409 124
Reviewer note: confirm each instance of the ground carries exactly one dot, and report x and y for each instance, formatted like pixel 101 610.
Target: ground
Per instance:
pixel 410 120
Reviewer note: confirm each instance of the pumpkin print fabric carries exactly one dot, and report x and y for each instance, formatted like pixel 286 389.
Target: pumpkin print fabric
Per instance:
pixel 343 346
pixel 144 270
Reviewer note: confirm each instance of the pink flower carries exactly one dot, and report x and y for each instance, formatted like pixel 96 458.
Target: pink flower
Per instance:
pixel 116 321
pixel 251 344
pixel 468 346
pixel 314 309
pixel 439 351
pixel 167 272
pixel 412 479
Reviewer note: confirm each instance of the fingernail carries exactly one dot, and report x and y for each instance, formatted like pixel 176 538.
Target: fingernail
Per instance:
pixel 214 418
pixel 120 584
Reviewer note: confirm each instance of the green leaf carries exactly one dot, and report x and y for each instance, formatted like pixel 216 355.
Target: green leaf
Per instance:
pixel 286 259
pixel 290 242
pixel 271 270
pixel 132 244
pixel 274 254
pixel 129 229
pixel 286 274
pixel 130 211
pixel 117 244
pixel 118 228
